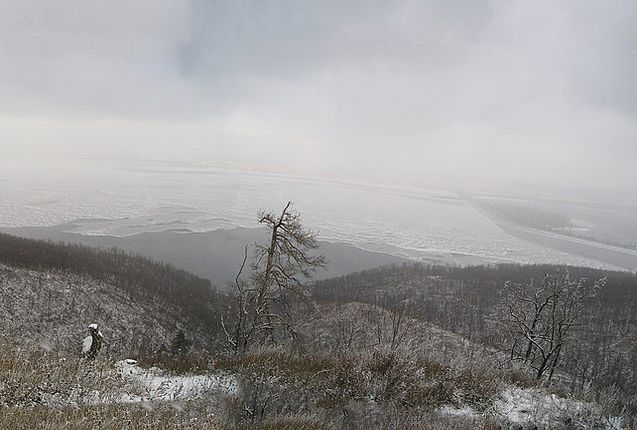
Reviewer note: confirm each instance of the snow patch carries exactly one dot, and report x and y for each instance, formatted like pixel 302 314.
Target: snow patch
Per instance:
pixel 154 384
pixel 536 407
pixel 465 411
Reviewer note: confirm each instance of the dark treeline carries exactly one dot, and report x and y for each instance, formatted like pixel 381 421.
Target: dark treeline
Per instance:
pixel 136 275
pixel 603 353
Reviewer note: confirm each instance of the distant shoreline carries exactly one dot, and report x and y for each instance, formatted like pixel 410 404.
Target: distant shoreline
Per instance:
pixel 620 257
pixel 214 255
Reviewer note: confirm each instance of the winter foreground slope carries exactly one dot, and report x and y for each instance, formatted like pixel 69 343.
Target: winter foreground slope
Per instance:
pixel 390 348
pixel 434 380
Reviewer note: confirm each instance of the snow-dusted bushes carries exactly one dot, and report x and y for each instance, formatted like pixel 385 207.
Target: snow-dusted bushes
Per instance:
pixel 535 408
pixel 433 379
pixel 602 352
pixel 274 382
pixel 52 308
pixel 190 362
pixel 51 391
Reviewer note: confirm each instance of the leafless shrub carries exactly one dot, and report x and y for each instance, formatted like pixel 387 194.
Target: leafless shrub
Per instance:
pixel 540 319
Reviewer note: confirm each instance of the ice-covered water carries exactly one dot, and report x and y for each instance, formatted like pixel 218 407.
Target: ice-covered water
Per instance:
pixel 124 199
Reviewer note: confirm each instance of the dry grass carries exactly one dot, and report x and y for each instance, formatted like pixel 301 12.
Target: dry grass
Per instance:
pixel 397 388
pixel 49 391
pixel 276 362
pixel 111 417
pixel 35 377
pixel 188 363
pixel 286 422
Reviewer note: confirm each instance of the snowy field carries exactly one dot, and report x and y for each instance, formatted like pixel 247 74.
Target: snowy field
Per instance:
pixel 124 199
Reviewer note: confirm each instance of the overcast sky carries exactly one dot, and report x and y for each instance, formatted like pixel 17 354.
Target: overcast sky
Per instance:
pixel 432 92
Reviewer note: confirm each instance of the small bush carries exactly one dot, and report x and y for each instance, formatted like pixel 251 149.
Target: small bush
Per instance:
pixel 276 363
pixel 476 389
pixel 293 422
pixel 430 396
pixel 179 364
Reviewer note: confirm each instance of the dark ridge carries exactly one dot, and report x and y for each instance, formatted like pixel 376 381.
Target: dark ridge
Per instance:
pixel 138 276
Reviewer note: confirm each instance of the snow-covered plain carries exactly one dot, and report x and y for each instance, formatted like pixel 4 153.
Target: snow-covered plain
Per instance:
pixel 124 199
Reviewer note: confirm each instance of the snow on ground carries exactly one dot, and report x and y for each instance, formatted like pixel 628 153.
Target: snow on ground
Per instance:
pixel 535 406
pixel 155 385
pixel 465 411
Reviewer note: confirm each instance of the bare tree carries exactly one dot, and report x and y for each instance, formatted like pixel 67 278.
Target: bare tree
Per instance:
pixel 280 272
pixel 392 326
pixel 540 319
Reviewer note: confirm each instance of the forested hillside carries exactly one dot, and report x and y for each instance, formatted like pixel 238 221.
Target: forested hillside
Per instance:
pixel 602 354
pixel 51 292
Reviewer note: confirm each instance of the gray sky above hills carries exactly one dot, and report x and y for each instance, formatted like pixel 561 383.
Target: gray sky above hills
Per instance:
pixel 433 92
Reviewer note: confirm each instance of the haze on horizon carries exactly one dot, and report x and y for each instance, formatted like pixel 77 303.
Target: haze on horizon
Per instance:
pixel 486 93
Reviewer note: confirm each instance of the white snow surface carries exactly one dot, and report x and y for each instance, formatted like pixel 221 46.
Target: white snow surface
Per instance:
pixel 465 411
pixel 530 405
pixel 155 385
pixel 526 408
pixel 537 407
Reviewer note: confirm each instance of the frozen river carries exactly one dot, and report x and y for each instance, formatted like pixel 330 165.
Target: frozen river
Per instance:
pixel 124 199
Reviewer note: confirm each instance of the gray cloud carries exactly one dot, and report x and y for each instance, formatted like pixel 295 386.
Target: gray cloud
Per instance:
pixel 434 92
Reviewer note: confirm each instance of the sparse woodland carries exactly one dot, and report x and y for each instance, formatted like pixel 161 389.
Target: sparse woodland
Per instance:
pixel 493 305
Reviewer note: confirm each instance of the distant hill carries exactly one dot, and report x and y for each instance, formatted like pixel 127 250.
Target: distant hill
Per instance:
pixel 462 300
pixel 49 293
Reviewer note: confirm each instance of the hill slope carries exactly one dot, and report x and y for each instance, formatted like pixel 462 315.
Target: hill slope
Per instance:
pixel 49 293
pixel 601 354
